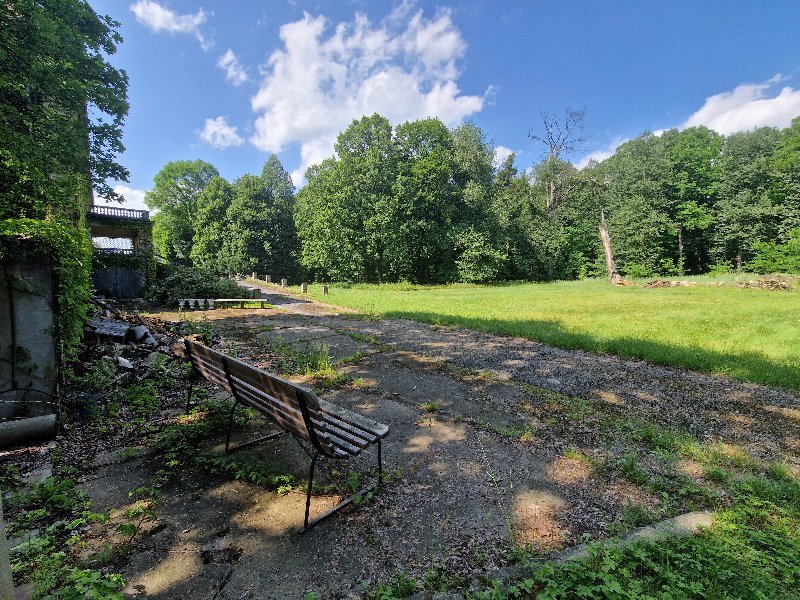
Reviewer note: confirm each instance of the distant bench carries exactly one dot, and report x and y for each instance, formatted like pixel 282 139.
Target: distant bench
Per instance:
pixel 331 431
pixel 209 304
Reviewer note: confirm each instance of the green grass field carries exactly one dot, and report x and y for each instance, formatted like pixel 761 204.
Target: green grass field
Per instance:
pixel 748 334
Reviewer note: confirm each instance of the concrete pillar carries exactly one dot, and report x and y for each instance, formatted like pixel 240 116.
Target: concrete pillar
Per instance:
pixel 255 276
pixel 304 288
pixel 284 282
pixel 324 290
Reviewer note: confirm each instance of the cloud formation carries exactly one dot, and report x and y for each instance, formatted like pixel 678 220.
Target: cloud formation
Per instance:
pixel 321 79
pixel 748 106
pixel 219 134
pixel 158 18
pixel 234 71
pixel 501 153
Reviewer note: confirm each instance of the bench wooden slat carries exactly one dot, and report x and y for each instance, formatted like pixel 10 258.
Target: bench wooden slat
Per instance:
pixel 334 431
pixel 290 419
pixel 377 429
pixel 329 421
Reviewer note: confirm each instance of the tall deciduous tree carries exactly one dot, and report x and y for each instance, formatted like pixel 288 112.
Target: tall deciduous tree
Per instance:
pixel 176 189
pixel 62 107
pixel 210 225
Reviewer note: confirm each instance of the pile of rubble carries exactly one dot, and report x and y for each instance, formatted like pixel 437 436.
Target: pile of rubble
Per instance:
pixel 666 283
pixel 776 283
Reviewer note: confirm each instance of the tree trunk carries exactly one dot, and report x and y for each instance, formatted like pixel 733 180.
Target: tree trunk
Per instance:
pixel 738 262
pixel 613 274
pixel 680 250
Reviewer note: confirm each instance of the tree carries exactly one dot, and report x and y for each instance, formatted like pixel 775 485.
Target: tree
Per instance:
pixel 744 213
pixel 561 136
pixel 176 189
pixel 694 181
pixel 260 233
pixel 62 106
pixel 209 224
pixel 785 193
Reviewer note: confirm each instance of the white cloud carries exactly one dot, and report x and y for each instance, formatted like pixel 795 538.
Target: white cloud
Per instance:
pixel 234 72
pixel 324 77
pixel 603 153
pixel 134 199
pixel 501 153
pixel 219 134
pixel 158 18
pixel 748 106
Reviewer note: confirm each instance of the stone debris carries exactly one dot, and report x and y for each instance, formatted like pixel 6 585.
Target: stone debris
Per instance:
pixel 775 283
pixel 666 283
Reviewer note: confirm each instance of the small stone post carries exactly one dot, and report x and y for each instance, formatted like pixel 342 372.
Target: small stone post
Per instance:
pixel 303 288
pixel 284 282
pixel 6 581
pixel 324 290
pixel 268 278
pixel 257 294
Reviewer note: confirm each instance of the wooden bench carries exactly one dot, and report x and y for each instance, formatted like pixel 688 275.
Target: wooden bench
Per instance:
pixel 321 428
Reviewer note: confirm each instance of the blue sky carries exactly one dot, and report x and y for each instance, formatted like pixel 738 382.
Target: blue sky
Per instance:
pixel 231 82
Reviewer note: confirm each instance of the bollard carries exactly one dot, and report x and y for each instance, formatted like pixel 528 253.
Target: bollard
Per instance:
pixel 255 276
pixel 284 282
pixel 303 288
pixel 324 290
pixel 268 278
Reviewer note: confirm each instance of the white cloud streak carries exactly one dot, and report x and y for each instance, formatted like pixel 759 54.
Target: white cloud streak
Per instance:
pixel 219 134
pixel 234 71
pixel 323 78
pixel 748 106
pixel 158 18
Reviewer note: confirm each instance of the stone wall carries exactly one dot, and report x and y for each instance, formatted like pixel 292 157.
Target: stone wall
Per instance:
pixel 28 352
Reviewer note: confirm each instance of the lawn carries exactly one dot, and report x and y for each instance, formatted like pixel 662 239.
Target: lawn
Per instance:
pixel 747 334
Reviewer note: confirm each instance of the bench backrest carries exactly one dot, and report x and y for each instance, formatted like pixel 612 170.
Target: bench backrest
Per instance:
pixel 290 406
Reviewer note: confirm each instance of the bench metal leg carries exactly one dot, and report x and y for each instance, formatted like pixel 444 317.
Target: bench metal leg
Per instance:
pixel 308 491
pixel 347 501
pixel 230 426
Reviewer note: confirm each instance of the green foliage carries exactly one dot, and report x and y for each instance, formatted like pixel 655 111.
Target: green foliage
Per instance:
pixel 173 282
pixel 70 251
pixel 772 257
pixel 175 192
pixel 62 107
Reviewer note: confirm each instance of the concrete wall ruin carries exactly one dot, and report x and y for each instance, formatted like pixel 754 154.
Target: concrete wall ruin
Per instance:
pixel 28 352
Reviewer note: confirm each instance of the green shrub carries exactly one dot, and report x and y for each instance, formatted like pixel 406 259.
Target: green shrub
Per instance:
pixel 173 282
pixel 771 257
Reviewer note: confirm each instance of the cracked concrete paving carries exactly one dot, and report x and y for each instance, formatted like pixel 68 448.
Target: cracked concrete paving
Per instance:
pixel 462 492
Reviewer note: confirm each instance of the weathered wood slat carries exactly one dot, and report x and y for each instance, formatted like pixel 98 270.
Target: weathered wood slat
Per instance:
pixel 378 429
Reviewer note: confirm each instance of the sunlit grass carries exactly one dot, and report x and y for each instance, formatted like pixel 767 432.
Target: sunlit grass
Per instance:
pixel 747 334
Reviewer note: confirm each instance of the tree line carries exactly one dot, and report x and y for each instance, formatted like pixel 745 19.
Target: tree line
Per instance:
pixel 423 203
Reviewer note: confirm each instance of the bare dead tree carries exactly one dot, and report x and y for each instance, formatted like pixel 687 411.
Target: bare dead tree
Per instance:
pixel 561 136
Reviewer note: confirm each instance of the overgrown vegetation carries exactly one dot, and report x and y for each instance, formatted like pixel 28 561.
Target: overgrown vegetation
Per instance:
pixel 173 282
